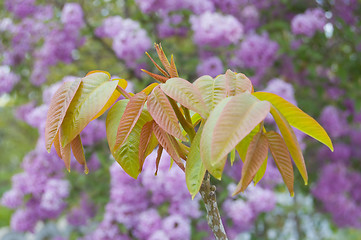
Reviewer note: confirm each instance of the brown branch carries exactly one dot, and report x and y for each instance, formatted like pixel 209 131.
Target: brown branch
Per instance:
pixel 208 193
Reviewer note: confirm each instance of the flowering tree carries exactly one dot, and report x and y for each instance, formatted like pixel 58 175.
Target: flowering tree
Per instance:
pixel 306 52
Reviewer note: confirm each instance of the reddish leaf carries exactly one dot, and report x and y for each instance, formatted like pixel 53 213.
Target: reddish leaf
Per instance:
pixel 144 141
pixel 173 69
pixel 157 66
pixel 58 106
pixel 66 155
pixel 156 76
pixel 78 152
pixel 237 83
pixel 57 144
pixel 162 57
pixel 165 141
pixel 282 158
pixel 159 155
pixel 256 154
pixel 163 114
pixel 130 117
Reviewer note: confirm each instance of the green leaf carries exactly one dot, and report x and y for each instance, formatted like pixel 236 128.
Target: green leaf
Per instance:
pixel 230 121
pixel 212 90
pixel 282 158
pixel 291 142
pixel 58 106
pixel 163 114
pixel 127 155
pixel 242 146
pixel 256 154
pixel 94 92
pixel 297 118
pixel 237 83
pixel 195 169
pixel 186 94
pixel 233 156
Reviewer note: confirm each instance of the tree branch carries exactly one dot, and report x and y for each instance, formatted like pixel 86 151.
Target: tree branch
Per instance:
pixel 208 193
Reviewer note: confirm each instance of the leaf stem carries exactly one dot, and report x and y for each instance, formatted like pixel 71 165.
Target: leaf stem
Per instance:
pixel 185 124
pixel 208 193
pixel 123 92
pixel 186 113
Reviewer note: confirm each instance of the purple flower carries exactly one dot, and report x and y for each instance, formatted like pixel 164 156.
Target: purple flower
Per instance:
pixel 21 8
pixel 150 221
pixel 7 79
pixel 308 23
pixel 281 88
pixel 177 227
pixel 159 235
pixel 334 121
pixel 93 132
pixel 23 220
pixel 72 16
pixel 216 30
pixel 212 66
pixel 12 199
pixel 240 213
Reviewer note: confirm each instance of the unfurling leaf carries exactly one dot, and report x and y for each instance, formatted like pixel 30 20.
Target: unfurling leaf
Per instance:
pixel 282 158
pixel 163 57
pixel 158 67
pixel 297 118
pixel 237 83
pixel 147 142
pixel 230 121
pixel 212 90
pixel 157 77
pixel 130 117
pixel 173 69
pixel 58 106
pixel 92 95
pixel 166 142
pixel 195 169
pixel 291 142
pixel 78 152
pixel 186 94
pixel 126 155
pixel 163 114
pixel 256 154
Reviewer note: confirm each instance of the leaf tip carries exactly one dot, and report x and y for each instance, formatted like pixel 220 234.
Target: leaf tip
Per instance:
pixel 292 194
pixel 86 170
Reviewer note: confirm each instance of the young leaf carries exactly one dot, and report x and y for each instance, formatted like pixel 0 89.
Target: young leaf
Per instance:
pixel 58 106
pixel 297 118
pixel 147 142
pixel 158 67
pixel 57 145
pixel 231 122
pixel 242 146
pixel 261 171
pixel 92 95
pixel 115 96
pixel 165 141
pixel 186 94
pixel 66 155
pixel 215 168
pixel 282 158
pixel 233 156
pixel 291 142
pixel 157 77
pixel 163 114
pixel 126 155
pixel 237 83
pixel 149 88
pixel 163 57
pixel 78 152
pixel 212 90
pixel 195 169
pixel 130 117
pixel 173 69
pixel 256 154
pixel 157 161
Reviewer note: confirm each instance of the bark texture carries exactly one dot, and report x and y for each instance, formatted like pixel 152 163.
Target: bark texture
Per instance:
pixel 208 193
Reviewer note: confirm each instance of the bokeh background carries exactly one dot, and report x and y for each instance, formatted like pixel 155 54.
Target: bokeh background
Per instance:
pixel 307 51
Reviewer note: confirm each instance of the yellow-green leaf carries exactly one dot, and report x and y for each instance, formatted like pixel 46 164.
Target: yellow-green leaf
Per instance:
pixel 297 118
pixel 291 142
pixel 186 94
pixel 232 156
pixel 242 146
pixel 212 90
pixel 237 83
pixel 256 154
pixel 282 158
pixel 92 95
pixel 126 155
pixel 195 169
pixel 58 106
pixel 130 117
pixel 66 155
pixel 115 96
pixel 163 114
pixel 149 88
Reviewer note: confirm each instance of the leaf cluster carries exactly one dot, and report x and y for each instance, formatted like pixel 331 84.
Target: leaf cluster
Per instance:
pixel 199 124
